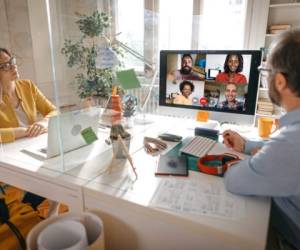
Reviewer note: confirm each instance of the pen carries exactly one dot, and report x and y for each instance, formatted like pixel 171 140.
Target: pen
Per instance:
pixel 125 149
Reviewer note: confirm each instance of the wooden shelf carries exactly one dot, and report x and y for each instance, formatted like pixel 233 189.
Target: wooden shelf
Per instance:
pixel 280 12
pixel 276 116
pixel 271 35
pixel 280 5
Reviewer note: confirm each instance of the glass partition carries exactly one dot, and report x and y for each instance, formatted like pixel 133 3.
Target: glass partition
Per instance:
pixel 71 51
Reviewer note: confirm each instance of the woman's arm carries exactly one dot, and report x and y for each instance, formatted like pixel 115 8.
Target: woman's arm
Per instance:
pixel 10 134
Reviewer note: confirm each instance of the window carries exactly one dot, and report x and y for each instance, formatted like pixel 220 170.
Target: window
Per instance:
pixel 175 24
pixel 222 24
pixel 130 25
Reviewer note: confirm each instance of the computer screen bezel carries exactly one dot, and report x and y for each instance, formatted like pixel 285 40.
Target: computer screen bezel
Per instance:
pixel 252 83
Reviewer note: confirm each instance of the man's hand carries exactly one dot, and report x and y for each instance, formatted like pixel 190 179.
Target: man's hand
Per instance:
pixel 36 129
pixel 234 140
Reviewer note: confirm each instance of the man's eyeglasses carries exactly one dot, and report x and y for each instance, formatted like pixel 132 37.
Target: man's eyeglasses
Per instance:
pixel 8 65
pixel 263 70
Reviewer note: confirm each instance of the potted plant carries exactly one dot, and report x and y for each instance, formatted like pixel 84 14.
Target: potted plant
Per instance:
pixel 91 79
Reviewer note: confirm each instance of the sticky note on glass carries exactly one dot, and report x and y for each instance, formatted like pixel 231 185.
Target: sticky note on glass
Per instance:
pixel 89 135
pixel 128 79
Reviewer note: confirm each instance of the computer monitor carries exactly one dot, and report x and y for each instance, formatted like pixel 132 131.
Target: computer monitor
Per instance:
pixel 193 80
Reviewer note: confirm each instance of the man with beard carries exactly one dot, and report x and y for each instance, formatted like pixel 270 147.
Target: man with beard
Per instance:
pixel 274 170
pixel 186 72
pixel 233 65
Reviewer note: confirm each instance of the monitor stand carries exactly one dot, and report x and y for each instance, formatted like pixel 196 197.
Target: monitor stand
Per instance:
pixel 210 124
pixel 221 117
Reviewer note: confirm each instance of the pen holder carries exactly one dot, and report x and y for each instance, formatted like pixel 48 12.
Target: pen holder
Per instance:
pixel 118 150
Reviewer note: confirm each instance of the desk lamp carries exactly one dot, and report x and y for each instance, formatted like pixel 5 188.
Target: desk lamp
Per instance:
pixel 142 119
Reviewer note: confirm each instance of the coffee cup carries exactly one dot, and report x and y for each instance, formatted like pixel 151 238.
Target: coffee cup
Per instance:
pixel 202 116
pixel 266 126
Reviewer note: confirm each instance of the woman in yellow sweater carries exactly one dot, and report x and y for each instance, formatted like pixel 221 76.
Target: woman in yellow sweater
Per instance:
pixel 20 101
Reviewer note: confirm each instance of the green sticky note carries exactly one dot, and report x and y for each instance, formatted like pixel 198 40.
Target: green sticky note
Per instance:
pixel 89 135
pixel 128 79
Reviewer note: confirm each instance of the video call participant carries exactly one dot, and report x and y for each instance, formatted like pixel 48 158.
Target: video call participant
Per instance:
pixel 233 65
pixel 20 101
pixel 230 96
pixel 274 170
pixel 186 71
pixel 186 89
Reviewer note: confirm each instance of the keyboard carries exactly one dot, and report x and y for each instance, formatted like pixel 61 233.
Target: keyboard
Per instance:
pixel 199 146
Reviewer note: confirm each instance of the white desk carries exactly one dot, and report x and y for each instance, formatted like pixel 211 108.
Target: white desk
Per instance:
pixel 62 178
pixel 124 204
pixel 132 224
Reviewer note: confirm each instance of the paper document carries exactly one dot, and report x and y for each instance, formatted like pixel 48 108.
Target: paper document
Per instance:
pixel 195 197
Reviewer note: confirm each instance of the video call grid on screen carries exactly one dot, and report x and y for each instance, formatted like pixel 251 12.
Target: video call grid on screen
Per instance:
pixel 213 89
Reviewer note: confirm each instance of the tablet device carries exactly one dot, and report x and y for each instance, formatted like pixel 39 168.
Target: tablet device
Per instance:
pixel 172 165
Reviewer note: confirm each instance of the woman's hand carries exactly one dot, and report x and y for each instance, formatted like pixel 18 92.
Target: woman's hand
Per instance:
pixel 234 140
pixel 36 129
pixel 20 132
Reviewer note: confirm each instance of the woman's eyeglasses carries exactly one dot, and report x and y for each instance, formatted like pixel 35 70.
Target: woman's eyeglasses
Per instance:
pixel 8 65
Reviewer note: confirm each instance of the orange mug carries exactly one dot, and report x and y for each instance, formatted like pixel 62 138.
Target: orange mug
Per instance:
pixel 202 116
pixel 267 126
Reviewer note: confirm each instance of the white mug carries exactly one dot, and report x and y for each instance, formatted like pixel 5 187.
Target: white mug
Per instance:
pixel 63 235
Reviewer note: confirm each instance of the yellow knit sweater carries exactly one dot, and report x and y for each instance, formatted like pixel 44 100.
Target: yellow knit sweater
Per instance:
pixel 32 102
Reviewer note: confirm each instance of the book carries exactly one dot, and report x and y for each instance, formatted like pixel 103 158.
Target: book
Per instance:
pixel 172 165
pixel 264 113
pixel 279 26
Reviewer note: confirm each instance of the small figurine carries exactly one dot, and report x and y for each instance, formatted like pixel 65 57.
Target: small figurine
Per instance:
pixel 117 129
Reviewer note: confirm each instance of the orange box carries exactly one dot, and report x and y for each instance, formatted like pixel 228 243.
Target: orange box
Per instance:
pixel 202 116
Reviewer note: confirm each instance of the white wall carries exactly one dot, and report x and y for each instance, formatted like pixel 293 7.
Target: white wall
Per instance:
pixel 15 34
pixel 256 24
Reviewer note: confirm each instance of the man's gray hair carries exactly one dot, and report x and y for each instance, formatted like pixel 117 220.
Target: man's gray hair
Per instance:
pixel 285 58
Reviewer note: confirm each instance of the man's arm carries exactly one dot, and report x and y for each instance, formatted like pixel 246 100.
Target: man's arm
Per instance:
pixel 252 145
pixel 235 141
pixel 272 171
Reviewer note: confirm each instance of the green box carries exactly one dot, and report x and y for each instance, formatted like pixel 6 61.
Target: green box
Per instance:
pixel 191 160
